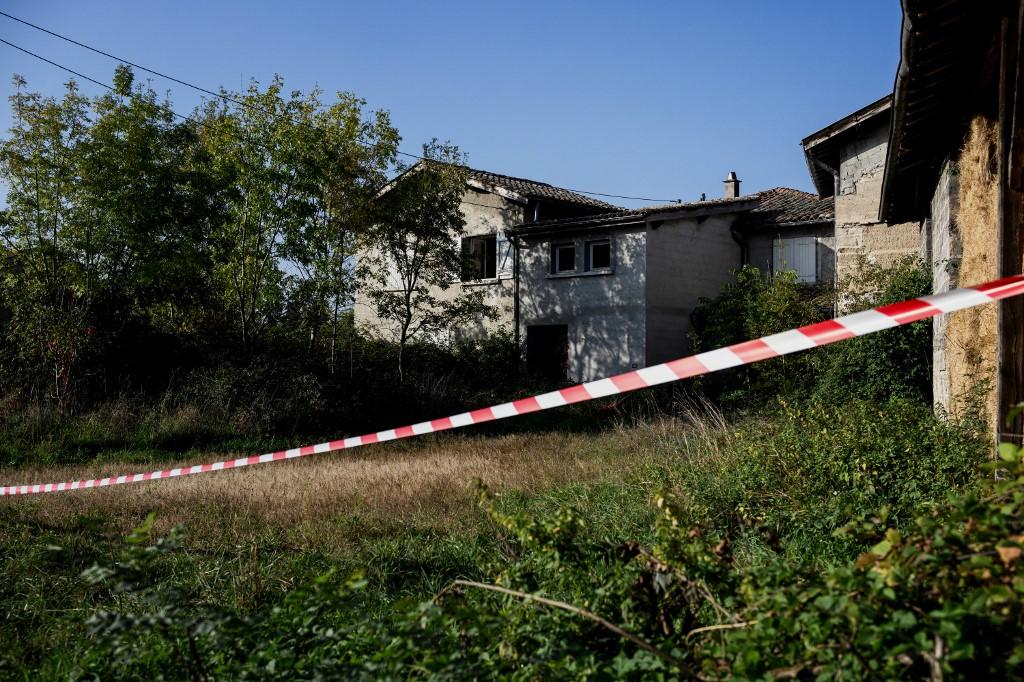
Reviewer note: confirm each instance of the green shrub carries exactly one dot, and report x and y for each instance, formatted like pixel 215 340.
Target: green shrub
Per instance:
pixel 892 362
pixel 754 305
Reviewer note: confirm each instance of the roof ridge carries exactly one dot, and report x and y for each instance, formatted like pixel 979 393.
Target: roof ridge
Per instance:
pixel 515 177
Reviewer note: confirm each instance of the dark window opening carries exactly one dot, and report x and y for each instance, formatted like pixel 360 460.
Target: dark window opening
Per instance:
pixel 563 258
pixel 599 255
pixel 479 257
pixel 547 351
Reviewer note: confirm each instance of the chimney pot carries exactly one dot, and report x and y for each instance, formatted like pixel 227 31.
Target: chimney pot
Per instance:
pixel 732 186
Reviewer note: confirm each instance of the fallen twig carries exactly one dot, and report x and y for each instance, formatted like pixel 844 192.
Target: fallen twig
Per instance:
pixel 589 615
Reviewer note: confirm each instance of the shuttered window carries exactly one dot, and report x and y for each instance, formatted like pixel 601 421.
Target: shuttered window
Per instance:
pixel 799 254
pixel 506 257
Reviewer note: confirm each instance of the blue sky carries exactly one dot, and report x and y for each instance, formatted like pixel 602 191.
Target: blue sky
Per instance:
pixel 655 99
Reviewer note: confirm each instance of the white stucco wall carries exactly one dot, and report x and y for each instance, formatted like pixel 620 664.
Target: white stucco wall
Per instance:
pixel 604 313
pixel 485 213
pixel 686 259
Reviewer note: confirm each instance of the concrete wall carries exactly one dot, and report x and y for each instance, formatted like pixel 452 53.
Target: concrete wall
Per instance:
pixel 760 249
pixel 485 213
pixel 604 313
pixel 858 233
pixel 686 259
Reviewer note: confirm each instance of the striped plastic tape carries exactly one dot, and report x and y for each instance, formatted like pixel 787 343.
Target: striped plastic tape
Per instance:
pixel 783 343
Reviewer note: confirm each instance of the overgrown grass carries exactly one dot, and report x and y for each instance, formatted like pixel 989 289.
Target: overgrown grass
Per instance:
pixel 404 514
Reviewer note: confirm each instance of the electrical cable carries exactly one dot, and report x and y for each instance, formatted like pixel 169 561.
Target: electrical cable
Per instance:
pixel 234 100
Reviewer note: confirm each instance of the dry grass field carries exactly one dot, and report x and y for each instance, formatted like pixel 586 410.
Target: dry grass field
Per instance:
pixel 426 482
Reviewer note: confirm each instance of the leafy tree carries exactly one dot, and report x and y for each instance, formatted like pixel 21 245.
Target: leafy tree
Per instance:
pixel 347 157
pixel 298 178
pixel 48 281
pixel 413 256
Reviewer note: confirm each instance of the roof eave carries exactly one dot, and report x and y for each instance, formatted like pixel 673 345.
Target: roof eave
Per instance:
pixel 526 230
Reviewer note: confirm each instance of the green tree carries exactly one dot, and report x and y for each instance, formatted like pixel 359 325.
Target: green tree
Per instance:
pixel 47 283
pixel 412 255
pixel 347 156
pixel 299 177
pixel 143 204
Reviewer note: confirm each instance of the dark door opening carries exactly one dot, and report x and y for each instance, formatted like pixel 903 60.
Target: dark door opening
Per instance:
pixel 547 350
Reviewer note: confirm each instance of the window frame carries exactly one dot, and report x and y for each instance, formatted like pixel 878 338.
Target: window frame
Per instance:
pixel 556 260
pixel 588 255
pixel 479 266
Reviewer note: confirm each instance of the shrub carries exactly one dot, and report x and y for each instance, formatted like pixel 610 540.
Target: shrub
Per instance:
pixel 892 362
pixel 754 305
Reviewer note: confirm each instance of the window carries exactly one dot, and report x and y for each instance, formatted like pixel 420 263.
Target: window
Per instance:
pixel 479 257
pixel 798 254
pixel 563 258
pixel 598 255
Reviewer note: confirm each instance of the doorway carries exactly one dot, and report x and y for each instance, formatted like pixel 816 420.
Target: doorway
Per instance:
pixel 547 350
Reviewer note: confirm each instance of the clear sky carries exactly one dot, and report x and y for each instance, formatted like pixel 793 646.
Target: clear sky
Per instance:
pixel 655 99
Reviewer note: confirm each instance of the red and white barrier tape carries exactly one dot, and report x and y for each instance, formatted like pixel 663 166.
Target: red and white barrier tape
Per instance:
pixel 783 343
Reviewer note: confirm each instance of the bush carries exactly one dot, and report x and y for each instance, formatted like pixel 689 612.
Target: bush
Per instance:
pixel 892 362
pixel 754 305
pixel 918 586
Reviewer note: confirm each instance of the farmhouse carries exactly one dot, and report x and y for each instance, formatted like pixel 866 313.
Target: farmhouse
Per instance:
pixel 592 289
pixel 492 205
pixel 606 293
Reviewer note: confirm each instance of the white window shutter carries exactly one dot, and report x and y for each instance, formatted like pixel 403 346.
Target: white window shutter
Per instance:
pixel 804 259
pixel 798 254
pixel 506 257
pixel 394 278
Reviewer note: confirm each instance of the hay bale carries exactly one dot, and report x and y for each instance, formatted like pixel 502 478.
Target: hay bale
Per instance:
pixel 972 335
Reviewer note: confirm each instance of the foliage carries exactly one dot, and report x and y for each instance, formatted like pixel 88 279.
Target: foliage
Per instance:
pixel 752 306
pixel 414 257
pixel 137 247
pixel 892 362
pixel 734 577
pixel 889 363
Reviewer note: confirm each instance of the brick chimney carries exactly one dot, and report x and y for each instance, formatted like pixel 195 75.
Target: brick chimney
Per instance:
pixel 732 186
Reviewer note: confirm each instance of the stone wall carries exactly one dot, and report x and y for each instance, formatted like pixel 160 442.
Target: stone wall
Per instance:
pixel 940 247
pixel 858 235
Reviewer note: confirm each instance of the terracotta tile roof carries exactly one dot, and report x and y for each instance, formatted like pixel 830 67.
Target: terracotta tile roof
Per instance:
pixel 539 190
pixel 783 206
pixel 778 207
pixel 638 214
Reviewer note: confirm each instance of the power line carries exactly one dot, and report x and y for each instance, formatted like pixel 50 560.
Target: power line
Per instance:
pixel 234 100
pixel 133 96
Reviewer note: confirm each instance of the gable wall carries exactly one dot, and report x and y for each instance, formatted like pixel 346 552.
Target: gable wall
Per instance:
pixel 858 234
pixel 485 213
